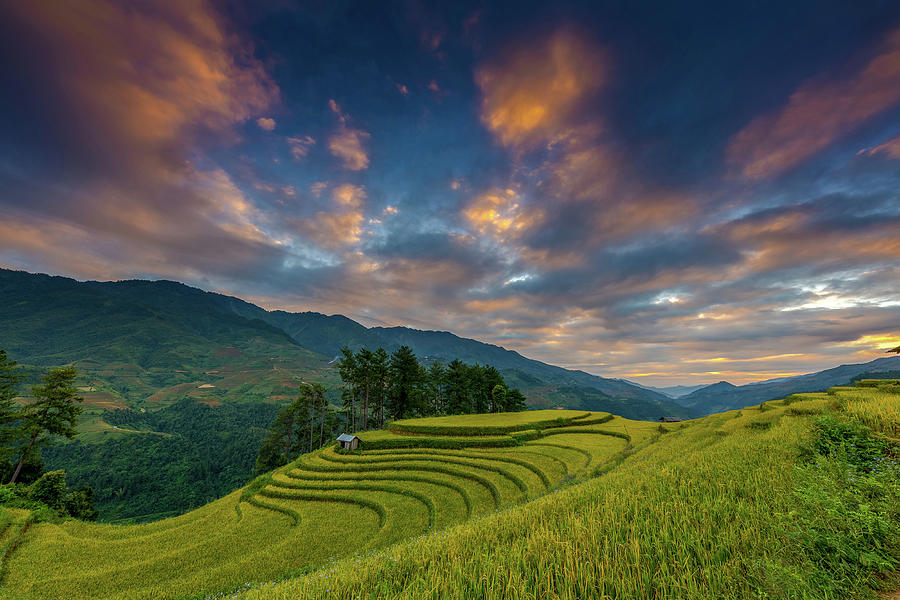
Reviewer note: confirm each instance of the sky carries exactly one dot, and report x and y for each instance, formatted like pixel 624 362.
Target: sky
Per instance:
pixel 672 193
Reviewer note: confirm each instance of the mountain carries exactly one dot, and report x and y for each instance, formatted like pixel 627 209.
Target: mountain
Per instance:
pixel 142 343
pixel 673 391
pixel 725 396
pixel 153 341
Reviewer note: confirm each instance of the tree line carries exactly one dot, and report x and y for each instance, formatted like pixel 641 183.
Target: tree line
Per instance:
pixel 376 388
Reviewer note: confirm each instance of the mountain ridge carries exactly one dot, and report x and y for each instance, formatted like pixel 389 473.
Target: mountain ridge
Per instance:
pixel 204 317
pixel 723 396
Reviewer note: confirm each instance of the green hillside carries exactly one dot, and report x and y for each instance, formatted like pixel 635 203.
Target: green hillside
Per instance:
pixel 795 498
pixel 145 343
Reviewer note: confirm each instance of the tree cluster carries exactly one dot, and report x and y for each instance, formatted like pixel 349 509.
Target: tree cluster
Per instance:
pixel 189 454
pixel 25 429
pixel 306 424
pixel 378 387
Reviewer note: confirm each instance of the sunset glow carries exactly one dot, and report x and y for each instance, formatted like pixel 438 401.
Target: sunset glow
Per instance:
pixel 679 195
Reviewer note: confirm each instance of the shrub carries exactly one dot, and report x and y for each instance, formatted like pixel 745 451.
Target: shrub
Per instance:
pixel 847 507
pixel 50 489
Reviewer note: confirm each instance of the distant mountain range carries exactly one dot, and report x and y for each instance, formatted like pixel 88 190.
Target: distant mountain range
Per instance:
pixel 145 342
pixel 674 391
pixel 725 396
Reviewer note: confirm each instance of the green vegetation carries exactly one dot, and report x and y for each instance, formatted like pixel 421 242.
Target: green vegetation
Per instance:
pixel 485 424
pixel 179 458
pixel 305 423
pixel 797 498
pixel 146 346
pixel 53 412
pixel 322 505
pixel 377 388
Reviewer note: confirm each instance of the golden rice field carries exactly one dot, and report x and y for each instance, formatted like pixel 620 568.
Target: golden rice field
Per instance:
pixel 324 506
pixel 702 511
pixel 530 506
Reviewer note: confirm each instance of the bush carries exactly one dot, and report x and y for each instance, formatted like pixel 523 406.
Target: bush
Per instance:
pixel 847 507
pixel 80 504
pixel 50 489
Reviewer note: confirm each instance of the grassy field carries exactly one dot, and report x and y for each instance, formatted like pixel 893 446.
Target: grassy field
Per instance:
pixel 744 504
pixel 323 506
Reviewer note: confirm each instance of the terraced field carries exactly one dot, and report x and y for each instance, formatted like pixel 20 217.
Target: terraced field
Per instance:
pixel 417 477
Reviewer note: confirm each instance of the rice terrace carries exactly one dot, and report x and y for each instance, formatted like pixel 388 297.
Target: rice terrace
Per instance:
pixel 470 300
pixel 454 507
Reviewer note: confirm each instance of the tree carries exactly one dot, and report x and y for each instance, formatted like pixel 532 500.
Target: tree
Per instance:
pixel 436 376
pixel 498 398
pixel 50 489
pixel 363 374
pixel 54 412
pixel 515 401
pixel 312 405
pixel 380 378
pixel 457 388
pixel 10 413
pixel 405 376
pixel 299 427
pixel 348 370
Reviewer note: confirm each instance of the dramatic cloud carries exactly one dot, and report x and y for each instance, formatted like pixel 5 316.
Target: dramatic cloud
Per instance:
pixel 818 113
pixel 540 100
pixel 145 84
pixel 498 213
pixel 533 96
pixel 559 186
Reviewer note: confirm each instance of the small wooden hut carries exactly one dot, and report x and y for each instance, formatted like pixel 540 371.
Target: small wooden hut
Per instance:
pixel 347 441
pixel 670 419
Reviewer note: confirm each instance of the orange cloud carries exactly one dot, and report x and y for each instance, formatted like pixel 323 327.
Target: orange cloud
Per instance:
pixel 890 149
pixel 539 100
pixel 317 188
pixel 499 213
pixel 347 143
pixel 149 76
pixel 402 89
pixel 265 123
pixel 300 145
pixel 532 96
pixel 341 226
pixel 148 80
pixel 819 112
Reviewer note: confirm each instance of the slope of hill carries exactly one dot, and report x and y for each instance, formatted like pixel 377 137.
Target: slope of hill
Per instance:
pixel 674 391
pixel 324 504
pixel 134 339
pixel 725 396
pixel 724 506
pixel 550 385
pixel 143 339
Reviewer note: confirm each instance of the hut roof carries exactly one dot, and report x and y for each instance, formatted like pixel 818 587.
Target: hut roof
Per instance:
pixel 670 419
pixel 346 437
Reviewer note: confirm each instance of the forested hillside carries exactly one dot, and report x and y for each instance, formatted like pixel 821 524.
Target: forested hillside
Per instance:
pixel 186 383
pixel 141 340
